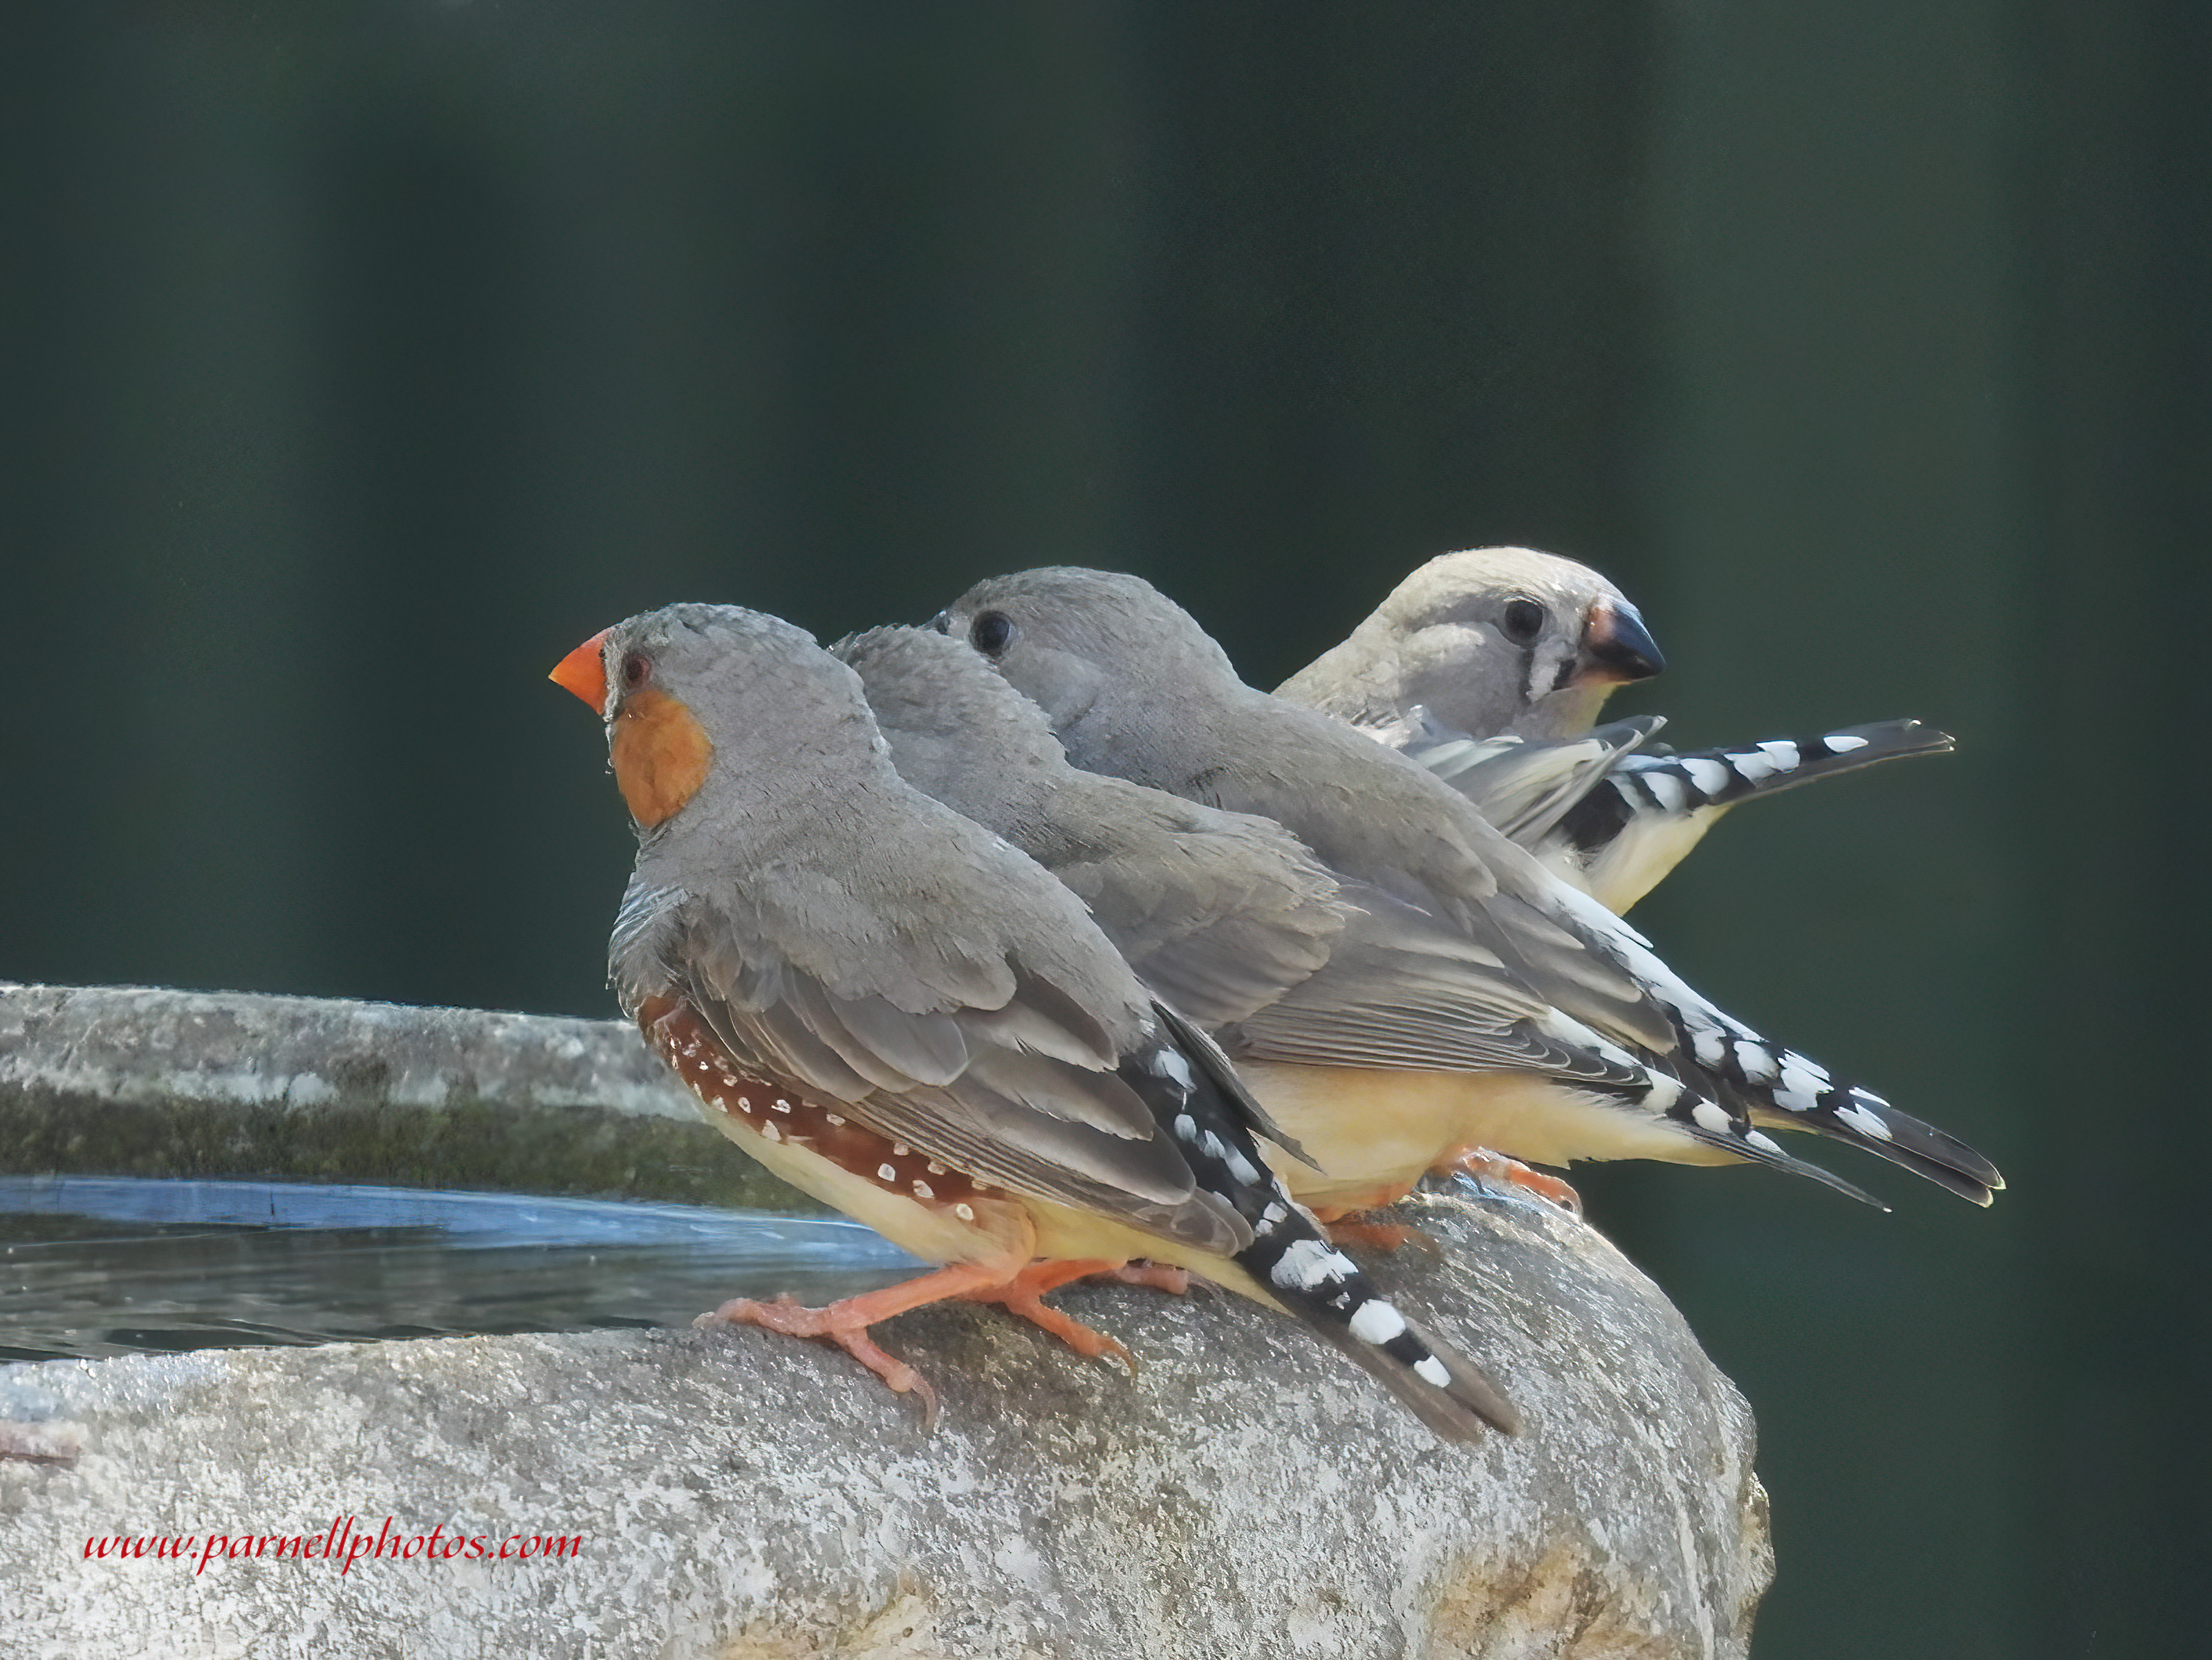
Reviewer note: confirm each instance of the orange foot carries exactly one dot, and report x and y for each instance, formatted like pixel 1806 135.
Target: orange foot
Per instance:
pixel 1023 1295
pixel 1371 1233
pixel 1482 1166
pixel 846 1322
pixel 1154 1276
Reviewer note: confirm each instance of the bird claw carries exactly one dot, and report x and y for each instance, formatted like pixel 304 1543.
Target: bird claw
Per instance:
pixel 1371 1234
pixel 839 1324
pixel 1155 1276
pixel 1024 1295
pixel 1490 1170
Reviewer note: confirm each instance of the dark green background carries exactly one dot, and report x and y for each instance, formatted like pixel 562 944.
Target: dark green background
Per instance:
pixel 362 358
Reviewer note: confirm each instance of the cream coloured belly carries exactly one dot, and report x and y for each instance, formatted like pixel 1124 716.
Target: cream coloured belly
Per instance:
pixel 1376 1131
pixel 1029 1226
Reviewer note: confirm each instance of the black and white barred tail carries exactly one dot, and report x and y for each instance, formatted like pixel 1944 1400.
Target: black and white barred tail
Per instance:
pixel 1198 1096
pixel 1778 1086
pixel 1735 1085
pixel 1661 784
pixel 1709 1115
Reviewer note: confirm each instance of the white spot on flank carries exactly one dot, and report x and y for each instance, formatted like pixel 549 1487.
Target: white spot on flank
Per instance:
pixel 1763 1141
pixel 1239 1166
pixel 923 1190
pixel 1707 1116
pixel 1709 1046
pixel 1186 1127
pixel 886 1173
pixel 1663 1093
pixel 1752 767
pixel 1273 1215
pixel 1755 1062
pixel 965 1212
pixel 1795 1100
pixel 1865 1122
pixel 934 1168
pixel 1666 789
pixel 1376 1322
pixel 1430 1370
pixel 833 1119
pixel 1785 753
pixel 1841 742
pixel 745 1103
pixel 1170 1066
pixel 781 1105
pixel 1799 1073
pixel 1306 1264
pixel 1708 775
pixel 899 1149
pixel 769 1130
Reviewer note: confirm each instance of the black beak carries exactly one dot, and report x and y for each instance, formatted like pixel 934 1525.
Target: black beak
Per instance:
pixel 1617 646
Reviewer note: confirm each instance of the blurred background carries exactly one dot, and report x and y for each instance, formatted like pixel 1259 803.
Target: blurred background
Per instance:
pixel 361 357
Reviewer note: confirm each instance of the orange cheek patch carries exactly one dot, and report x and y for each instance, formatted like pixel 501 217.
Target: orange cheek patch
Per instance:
pixel 660 755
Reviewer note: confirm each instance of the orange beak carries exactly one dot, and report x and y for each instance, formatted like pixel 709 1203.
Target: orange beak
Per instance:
pixel 583 671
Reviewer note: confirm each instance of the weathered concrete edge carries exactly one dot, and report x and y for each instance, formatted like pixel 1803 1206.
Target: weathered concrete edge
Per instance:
pixel 130 1080
pixel 749 1496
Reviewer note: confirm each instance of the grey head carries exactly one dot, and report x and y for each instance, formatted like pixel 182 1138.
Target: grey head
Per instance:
pixel 1218 912
pixel 772 699
pixel 1157 702
pixel 957 732
pixel 1075 638
pixel 1489 641
pixel 777 840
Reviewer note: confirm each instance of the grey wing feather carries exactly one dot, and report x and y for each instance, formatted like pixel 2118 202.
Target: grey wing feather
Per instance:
pixel 1402 991
pixel 1463 873
pixel 1219 914
pixel 1524 788
pixel 1027 1121
pixel 1376 817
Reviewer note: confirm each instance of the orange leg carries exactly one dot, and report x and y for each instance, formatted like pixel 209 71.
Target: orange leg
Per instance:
pixel 1156 1276
pixel 846 1322
pixel 1017 1289
pixel 1374 1234
pixel 1377 1199
pixel 1023 1295
pixel 1482 1166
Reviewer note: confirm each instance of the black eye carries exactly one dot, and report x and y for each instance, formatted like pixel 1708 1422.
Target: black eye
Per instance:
pixel 1524 620
pixel 635 670
pixel 992 632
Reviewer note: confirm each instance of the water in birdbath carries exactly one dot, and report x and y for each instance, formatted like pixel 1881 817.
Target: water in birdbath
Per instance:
pixel 95 1265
